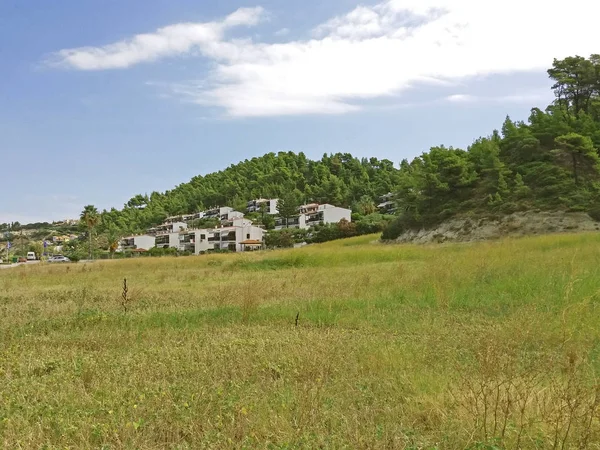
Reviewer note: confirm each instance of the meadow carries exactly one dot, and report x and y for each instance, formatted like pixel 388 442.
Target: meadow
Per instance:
pixel 349 344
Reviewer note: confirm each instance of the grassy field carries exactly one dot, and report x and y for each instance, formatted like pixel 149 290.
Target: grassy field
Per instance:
pixel 492 345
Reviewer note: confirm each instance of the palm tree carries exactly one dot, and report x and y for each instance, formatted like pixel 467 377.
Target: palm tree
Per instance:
pixel 90 218
pixel 366 205
pixel 113 236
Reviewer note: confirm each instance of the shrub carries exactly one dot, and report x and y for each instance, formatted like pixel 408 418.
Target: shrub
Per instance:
pixel 393 230
pixel 594 213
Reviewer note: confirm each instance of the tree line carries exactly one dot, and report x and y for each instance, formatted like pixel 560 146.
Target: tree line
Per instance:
pixel 550 162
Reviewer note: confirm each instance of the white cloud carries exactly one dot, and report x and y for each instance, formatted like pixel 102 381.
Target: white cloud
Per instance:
pixel 167 41
pixel 371 52
pixel 527 98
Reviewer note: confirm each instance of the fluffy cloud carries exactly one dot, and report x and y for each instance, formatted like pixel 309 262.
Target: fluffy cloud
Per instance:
pixel 371 52
pixel 167 41
pixel 523 97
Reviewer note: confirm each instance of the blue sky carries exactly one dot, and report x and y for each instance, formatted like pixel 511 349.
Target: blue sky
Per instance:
pixel 101 100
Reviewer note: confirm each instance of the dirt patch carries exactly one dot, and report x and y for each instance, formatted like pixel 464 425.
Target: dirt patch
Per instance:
pixel 517 224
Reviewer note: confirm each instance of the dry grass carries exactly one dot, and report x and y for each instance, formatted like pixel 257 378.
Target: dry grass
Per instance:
pixel 485 346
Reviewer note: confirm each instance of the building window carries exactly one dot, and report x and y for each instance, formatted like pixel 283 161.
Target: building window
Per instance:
pixel 248 236
pixel 202 236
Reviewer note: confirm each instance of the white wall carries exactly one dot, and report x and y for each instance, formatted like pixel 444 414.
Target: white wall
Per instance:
pixel 179 225
pixel 333 214
pixel 231 215
pixel 146 242
pixel 273 207
pixel 247 232
pixel 202 245
pixel 174 240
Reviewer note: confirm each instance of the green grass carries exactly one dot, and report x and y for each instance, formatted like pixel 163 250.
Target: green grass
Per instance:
pixel 490 345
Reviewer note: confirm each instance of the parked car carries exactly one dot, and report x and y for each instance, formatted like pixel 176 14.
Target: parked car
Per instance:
pixel 22 260
pixel 58 259
pixel 31 256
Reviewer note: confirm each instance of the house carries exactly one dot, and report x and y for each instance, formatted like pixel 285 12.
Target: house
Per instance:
pixel 269 206
pixel 314 214
pixel 387 205
pixel 143 242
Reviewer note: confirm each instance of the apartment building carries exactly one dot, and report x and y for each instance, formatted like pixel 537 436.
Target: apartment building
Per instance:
pixel 143 242
pixel 222 213
pixel 167 239
pixel 313 214
pixel 269 206
pixel 236 238
pixel 168 227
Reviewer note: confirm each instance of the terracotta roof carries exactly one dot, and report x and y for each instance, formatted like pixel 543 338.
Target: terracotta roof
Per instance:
pixel 251 242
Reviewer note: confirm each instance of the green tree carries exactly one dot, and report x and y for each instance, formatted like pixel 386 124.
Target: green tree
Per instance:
pixel 366 205
pixel 113 237
pixel 90 219
pixel 268 221
pixel 580 151
pixel 575 83
pixel 287 205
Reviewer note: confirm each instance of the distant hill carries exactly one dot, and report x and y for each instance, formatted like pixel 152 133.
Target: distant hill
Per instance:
pixel 339 179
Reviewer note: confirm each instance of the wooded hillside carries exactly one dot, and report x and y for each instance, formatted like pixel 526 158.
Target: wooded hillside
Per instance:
pixel 549 162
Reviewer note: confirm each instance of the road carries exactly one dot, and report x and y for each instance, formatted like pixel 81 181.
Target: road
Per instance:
pixel 10 266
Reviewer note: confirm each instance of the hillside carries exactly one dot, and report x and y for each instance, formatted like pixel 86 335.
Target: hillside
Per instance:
pixel 548 163
pixel 339 179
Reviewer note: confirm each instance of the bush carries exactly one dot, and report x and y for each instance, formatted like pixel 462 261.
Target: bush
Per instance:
pixel 393 230
pixel 157 251
pixel 286 238
pixel 594 213
pixel 73 257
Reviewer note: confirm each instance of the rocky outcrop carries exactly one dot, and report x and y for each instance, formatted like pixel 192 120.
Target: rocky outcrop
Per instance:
pixel 518 224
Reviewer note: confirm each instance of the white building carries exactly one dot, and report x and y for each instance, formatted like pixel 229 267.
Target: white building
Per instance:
pixel 292 222
pixel 168 227
pixel 314 214
pixel 236 238
pixel 144 242
pixel 269 205
pixel 221 213
pixel 167 240
pixel 235 232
